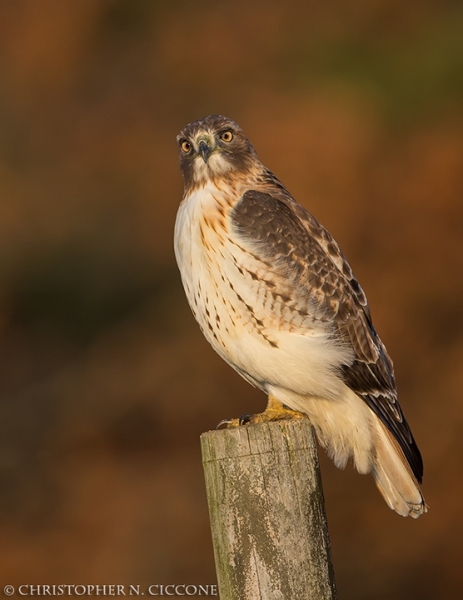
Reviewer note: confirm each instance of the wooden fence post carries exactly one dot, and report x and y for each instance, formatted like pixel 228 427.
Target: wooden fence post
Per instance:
pixel 267 512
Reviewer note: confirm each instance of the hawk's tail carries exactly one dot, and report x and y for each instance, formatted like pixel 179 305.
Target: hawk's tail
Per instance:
pixel 394 477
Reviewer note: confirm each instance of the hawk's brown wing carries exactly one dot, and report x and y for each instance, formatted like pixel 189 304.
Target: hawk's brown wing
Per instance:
pixel 284 234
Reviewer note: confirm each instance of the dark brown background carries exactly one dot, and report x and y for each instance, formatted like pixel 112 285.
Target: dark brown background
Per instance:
pixel 106 381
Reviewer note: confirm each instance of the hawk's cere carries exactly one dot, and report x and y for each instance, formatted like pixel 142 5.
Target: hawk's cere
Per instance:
pixel 275 297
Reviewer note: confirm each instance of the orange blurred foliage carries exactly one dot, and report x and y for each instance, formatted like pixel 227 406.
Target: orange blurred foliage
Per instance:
pixel 107 382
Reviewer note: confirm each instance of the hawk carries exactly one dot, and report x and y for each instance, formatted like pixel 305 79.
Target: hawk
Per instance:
pixel 277 300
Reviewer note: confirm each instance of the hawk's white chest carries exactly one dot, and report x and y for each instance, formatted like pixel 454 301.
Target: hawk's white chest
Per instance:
pixel 201 248
pixel 251 324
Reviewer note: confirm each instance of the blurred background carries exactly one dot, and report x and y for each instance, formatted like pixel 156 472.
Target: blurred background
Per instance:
pixel 106 382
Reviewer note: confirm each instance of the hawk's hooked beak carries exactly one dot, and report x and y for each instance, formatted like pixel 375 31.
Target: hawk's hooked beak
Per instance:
pixel 204 150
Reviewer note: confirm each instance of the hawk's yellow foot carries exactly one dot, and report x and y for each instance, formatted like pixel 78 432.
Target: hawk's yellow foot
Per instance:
pixel 275 411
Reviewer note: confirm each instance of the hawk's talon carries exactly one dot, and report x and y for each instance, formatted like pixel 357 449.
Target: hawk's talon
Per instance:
pixel 229 423
pixel 226 422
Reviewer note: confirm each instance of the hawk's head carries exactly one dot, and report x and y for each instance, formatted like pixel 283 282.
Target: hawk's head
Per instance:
pixel 214 147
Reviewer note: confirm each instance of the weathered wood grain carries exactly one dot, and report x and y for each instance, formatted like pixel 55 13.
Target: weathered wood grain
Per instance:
pixel 267 512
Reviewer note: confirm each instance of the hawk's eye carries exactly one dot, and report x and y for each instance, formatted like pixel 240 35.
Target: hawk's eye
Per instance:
pixel 226 136
pixel 186 146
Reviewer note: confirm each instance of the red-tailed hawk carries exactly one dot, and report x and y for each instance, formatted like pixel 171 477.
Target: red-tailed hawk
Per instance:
pixel 276 298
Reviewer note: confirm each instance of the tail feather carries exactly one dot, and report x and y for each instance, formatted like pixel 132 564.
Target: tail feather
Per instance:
pixel 394 478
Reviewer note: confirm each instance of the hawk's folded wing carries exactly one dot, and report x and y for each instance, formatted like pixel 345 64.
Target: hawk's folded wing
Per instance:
pixel 283 233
